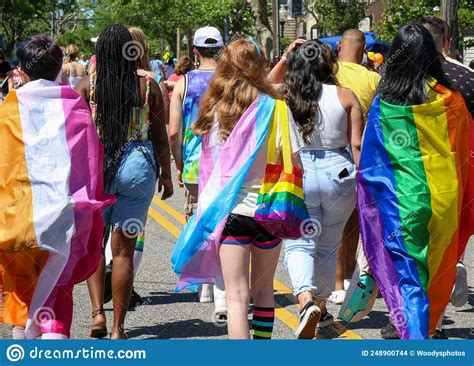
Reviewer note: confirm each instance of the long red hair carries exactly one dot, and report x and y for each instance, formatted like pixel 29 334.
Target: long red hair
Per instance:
pixel 238 80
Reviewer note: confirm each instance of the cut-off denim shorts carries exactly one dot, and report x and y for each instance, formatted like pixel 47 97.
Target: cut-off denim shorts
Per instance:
pixel 134 185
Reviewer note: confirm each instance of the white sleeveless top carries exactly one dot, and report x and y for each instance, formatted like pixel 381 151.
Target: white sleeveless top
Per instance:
pixel 74 80
pixel 332 122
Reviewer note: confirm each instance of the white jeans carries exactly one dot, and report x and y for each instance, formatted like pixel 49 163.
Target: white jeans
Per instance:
pixel 311 259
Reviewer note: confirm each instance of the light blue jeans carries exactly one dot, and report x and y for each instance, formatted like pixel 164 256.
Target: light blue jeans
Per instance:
pixel 311 260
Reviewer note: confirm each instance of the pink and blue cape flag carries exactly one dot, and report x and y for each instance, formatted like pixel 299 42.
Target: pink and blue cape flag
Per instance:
pixel 223 169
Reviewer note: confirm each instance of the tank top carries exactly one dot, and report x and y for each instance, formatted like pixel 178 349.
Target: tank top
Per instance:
pixel 73 80
pixel 140 122
pixel 196 83
pixel 332 122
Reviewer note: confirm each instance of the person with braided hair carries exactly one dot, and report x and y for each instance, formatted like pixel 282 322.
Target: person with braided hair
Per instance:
pixel 128 112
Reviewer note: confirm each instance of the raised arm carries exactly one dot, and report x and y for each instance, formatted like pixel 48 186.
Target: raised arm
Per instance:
pixel 279 71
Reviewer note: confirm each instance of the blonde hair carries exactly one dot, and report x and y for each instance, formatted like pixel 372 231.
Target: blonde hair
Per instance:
pixel 238 80
pixel 139 37
pixel 72 52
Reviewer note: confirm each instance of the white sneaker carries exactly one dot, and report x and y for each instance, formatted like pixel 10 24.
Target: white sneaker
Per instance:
pixel 220 308
pixel 347 283
pixel 205 293
pixel 337 297
pixel 309 318
pixel 460 292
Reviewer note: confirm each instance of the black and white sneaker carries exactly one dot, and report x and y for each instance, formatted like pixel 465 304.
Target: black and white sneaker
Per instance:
pixel 326 320
pixel 309 318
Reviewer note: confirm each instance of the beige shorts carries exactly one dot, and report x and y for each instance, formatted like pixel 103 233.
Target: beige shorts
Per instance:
pixel 191 194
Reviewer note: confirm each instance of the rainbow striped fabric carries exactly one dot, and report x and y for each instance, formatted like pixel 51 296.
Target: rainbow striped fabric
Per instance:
pixel 281 209
pixel 416 213
pixel 51 196
pixel 223 168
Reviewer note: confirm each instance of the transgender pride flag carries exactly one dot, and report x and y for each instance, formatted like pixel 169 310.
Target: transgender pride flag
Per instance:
pixel 51 196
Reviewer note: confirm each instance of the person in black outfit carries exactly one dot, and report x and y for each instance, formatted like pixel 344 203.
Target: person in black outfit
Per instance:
pixel 461 77
pixel 5 66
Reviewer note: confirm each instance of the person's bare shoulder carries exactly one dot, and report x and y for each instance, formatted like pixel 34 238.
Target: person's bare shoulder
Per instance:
pixel 82 87
pixel 348 98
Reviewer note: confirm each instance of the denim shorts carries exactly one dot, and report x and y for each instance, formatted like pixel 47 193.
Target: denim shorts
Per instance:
pixel 134 185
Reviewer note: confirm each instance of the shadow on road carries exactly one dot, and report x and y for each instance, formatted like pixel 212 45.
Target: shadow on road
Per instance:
pixel 179 329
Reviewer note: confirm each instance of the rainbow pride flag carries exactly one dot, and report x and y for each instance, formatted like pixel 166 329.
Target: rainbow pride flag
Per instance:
pixel 223 168
pixel 416 204
pixel 51 196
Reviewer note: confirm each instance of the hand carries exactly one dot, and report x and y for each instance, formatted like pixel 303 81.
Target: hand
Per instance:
pixel 179 177
pixel 293 45
pixel 167 186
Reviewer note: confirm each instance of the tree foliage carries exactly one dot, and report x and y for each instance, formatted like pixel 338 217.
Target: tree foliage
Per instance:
pixel 335 16
pixel 400 12
pixel 76 21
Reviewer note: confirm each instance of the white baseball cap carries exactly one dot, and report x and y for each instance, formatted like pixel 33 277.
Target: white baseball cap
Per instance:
pixel 205 34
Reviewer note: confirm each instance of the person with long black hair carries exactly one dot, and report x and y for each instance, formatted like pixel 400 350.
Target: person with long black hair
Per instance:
pixel 128 113
pixel 330 119
pixel 413 190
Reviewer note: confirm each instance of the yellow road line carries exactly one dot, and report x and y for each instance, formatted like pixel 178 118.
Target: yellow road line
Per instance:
pixel 337 327
pixel 178 216
pixel 164 222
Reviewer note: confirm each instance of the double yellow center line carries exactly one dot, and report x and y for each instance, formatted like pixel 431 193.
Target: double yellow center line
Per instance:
pixel 288 318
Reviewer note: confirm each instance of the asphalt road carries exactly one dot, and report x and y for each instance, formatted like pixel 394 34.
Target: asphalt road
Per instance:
pixel 169 315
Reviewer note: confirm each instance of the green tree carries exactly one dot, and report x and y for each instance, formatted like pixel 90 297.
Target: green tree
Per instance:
pixel 19 18
pixel 336 16
pixel 398 13
pixel 466 21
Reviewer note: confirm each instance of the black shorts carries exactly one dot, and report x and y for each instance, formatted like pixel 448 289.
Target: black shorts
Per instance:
pixel 244 230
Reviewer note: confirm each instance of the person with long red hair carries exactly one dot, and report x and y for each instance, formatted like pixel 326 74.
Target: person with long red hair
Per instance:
pixel 234 121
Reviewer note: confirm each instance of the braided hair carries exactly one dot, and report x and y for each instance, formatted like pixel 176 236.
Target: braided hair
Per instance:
pixel 117 92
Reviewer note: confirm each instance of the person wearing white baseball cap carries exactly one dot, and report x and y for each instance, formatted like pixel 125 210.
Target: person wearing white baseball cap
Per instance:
pixel 208 37
pixel 185 146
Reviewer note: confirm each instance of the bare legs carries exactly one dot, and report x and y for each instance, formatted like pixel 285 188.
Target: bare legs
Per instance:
pixel 346 254
pixel 235 260
pixel 123 247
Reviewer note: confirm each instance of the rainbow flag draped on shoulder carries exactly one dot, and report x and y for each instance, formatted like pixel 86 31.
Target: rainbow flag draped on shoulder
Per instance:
pixel 416 204
pixel 51 196
pixel 223 168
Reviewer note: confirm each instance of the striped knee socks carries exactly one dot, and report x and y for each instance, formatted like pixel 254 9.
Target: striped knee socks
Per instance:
pixel 262 322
